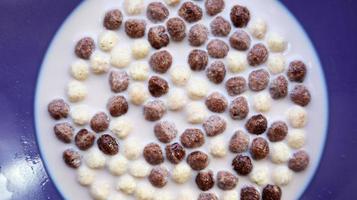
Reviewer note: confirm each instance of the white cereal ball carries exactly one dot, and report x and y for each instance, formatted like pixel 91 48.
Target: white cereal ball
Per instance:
pixel 76 91
pixel 132 149
pixel 134 7
pixel 180 75
pixel 230 195
pixel 187 194
pixel 145 192
pixel 181 173
pixel 139 71
pixel 172 2
pixel 297 116
pixel 138 93
pixel 95 159
pixel 296 138
pixel 236 62
pixel 107 40
pixel 126 184
pixel 276 63
pixel 121 127
pixel 118 165
pixel 262 102
pixel 218 147
pixel 100 190
pixel 116 196
pixel 260 175
pixel 120 57
pixel 164 195
pixel 80 114
pixel 197 88
pixel 282 175
pixel 140 48
pixel 85 176
pixel 196 112
pixel 139 169
pixel 99 63
pixel 276 43
pixel 280 152
pixel 80 70
pixel 258 28
pixel 176 100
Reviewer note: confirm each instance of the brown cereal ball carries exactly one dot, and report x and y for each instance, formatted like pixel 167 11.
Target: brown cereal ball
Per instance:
pixel 118 81
pixel 58 109
pixel 175 153
pixel 192 138
pixel 84 48
pixel 135 28
pixel 249 193
pixel 240 16
pixel 113 19
pixel 216 102
pixel 300 95
pixel 217 48
pixel 240 40
pixel 117 106
pixel 205 180
pixel 216 72
pixel 153 154
pixel 84 139
pixel 158 86
pixel 64 132
pixel 277 131
pixel 297 71
pixel 107 144
pixel 220 27
pixel 213 7
pixel 242 165
pixel 158 37
pixel 72 158
pixel 278 87
pixel 271 192
pixel 154 110
pixel 239 142
pixel 214 125
pixel 259 148
pixel 299 161
pixel 198 59
pixel 257 55
pixel 257 124
pixel 176 28
pixel 99 122
pixel 198 35
pixel 226 180
pixel 190 12
pixel 238 109
pixel 165 131
pixel 198 160
pixel 158 177
pixel 236 85
pixel 161 61
pixel 258 80
pixel 157 11
pixel 207 196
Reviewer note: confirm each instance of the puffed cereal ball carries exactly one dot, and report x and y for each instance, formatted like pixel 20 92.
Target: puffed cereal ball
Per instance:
pixel 118 165
pixel 176 100
pixel 296 138
pixel 85 176
pixel 140 48
pixel 138 93
pixel 197 88
pixel 164 195
pixel 258 28
pixel 95 159
pixel 107 40
pixel 260 175
pixel 181 173
pixel 80 70
pixel 80 114
pixel 116 196
pixel 236 61
pixel 282 175
pixel 132 149
pixel 186 194
pixel 180 75
pixel 139 169
pixel 196 112
pixel 99 63
pixel 100 190
pixel 218 148
pixel 297 116
pixel 262 102
pixel 120 57
pixel 276 43
pixel 279 152
pixel 230 195
pixel 121 127
pixel 144 192
pixel 276 63
pixel 139 71
pixel 76 91
pixel 126 184
pixel 134 7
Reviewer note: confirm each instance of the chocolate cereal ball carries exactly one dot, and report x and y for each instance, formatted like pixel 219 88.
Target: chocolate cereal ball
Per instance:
pixel 135 28
pixel 190 12
pixel 216 102
pixel 72 158
pixel 58 109
pixel 176 28
pixel 277 131
pixel 198 160
pixel 165 131
pixel 107 144
pixel 161 61
pixel 197 35
pixel 240 40
pixel 236 85
pixel 214 125
pixel 239 142
pixel 154 110
pixel 257 55
pixel 258 80
pixel 84 139
pixel 259 148
pixel 216 72
pixel 299 161
pixel 278 88
pixel 205 180
pixel 118 81
pixel 297 71
pixel 158 176
pixel 257 124
pixel 220 27
pixel 84 48
pixel 113 19
pixel 217 48
pixel 153 154
pixel 99 122
pixel 158 86
pixel 207 196
pixel 238 109
pixel 213 7
pixel 117 106
pixel 271 192
pixel 157 12
pixel 64 132
pixel 242 165
pixel 158 37
pixel 175 153
pixel 240 16
pixel 249 193
pixel 226 180
pixel 192 138
pixel 198 59
pixel 300 95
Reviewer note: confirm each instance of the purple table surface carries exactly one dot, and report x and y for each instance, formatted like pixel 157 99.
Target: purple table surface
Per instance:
pixel 27 27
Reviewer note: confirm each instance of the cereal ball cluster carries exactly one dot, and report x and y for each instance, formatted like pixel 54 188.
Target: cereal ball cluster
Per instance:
pixel 276 43
pixel 262 102
pixel 99 63
pixel 175 153
pixel 126 184
pixel 135 28
pixel 257 124
pixel 258 28
pixel 95 159
pixel 64 132
pixel 76 91
pixel 121 127
pixel 58 109
pixel 72 158
pixel 197 88
pixel 176 28
pixel 154 110
pixel 236 62
pixel 260 175
pixel 230 195
pixel 216 72
pixel 84 48
pixel 80 70
pixel 120 57
pixel 276 63
pixel 297 116
pixel 176 99
pixel 144 192
pixel 280 153
pixel 80 114
pixel 118 165
pixel 139 71
pixel 282 176
pixel 132 149
pixel 84 139
pixel 134 7
pixel 138 93
pixel 296 138
pixel 218 148
pixel 181 173
pixel 85 176
pixel 107 40
pixel 139 169
pixel 140 49
pixel 113 19
pixel 100 190
pixel 180 75
pixel 196 112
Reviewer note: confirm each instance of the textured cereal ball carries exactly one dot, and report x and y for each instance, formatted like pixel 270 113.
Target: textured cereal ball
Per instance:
pixel 140 48
pixel 259 148
pixel 139 169
pixel 117 106
pixel 157 12
pixel 180 75
pixel 218 148
pixel 181 173
pixel 135 28
pixel 197 160
pixel 116 196
pixel 196 112
pixel 257 55
pixel 297 116
pixel 205 180
pixel 76 91
pixel 220 27
pixel 258 28
pixel 84 139
pixel 107 40
pixel 239 142
pixel 176 100
pixel 299 161
pixel 158 37
pixel 154 110
pixel 300 95
pixel 214 125
pixel 242 165
pixel 230 195
pixel 95 159
pixel 100 190
pixel 165 131
pixel 144 192
pixel 176 28
pixel 132 149
pixel 158 176
pixel 72 158
pixel 113 19
pixel 240 40
pixel 85 176
pixel 216 72
pixel 134 7
pixel 278 88
pixel 258 80
pixel 175 153
pixel 126 184
pixel 198 35
pixel 120 57
pixel 80 70
pixel 161 61
pixel 260 175
pixel 118 165
pixel 217 48
pixel 297 71
pixel 240 16
pixel 84 48
pixel 277 131
pixel 99 63
pixel 216 102
pixel 138 93
pixel 226 180
pixel 262 102
pixel 121 127
pixel 213 7
pixel 271 192
pixel 207 196
pixel 58 109
pixel 158 86
pixel 282 175
pixel 296 138
pixel 276 63
pixel 276 43
pixel 190 12
pixel 108 145
pixel 64 132
pixel 99 122
pixel 187 194
pixel 153 154
pixel 80 114
pixel 249 193
pixel 139 71
pixel 238 108
pixel 192 138
pixel 118 81
pixel 236 85
pixel 198 59
pixel 197 88
pixel 164 195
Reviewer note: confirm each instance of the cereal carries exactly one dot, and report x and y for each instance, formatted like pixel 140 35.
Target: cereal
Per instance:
pixel 207 196
pixel 279 153
pixel 213 7
pixel 220 27
pixel 198 59
pixel 140 48
pixel 100 190
pixel 181 173
pixel 236 85
pixel 139 169
pixel 84 139
pixel 226 180
pixel 218 148
pixel 187 194
pixel 262 102
pixel 300 95
pixel 121 127
pixel 258 80
pixel 197 160
pixel 259 148
pixel 64 132
pixel 99 122
pixel 154 110
pixel 80 115
pixel 158 176
pixel 175 153
pixel 161 61
pixel 158 86
pixel 205 180
pixel 271 192
pixel 118 165
pixel 138 93
pixel 282 176
pixel 126 184
pixel 198 35
pixel 276 43
pixel 260 175
pixel 132 149
pixel 257 55
pixel 297 116
pixel 180 75
pixel 157 12
pixel 95 159
pixel 85 176
pixel 113 19
pixel 107 40
pixel 197 88
pixel 164 195
pixel 120 57
pixel 144 192
pixel 276 63
pixel 240 16
pixel 216 102
pixel 239 142
pixel 296 138
pixel 190 12
pixel 278 88
pixel 76 91
pixel 108 145
pixel 134 7
pixel 176 28
pixel 297 71
pixel 139 71
pixel 84 48
pixel 196 112
pixel 165 131
pixel 176 100
pixel 116 196
pixel 118 81
pixel 158 37
pixel 216 72
pixel 230 195
pixel 299 161
pixel 238 109
pixel 58 109
pixel 249 193
pixel 153 154
pixel 192 138
pixel 242 165
pixel 80 70
pixel 214 125
pixel 258 28
pixel 72 158
pixel 217 48
pixel 99 63
pixel 240 40
pixel 277 131
pixel 117 106
pixel 135 28
pixel 172 2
